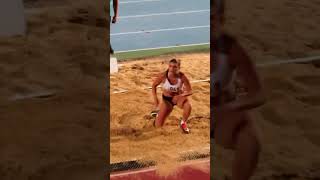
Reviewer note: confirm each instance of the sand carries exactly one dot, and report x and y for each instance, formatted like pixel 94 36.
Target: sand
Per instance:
pixel 132 133
pixel 276 28
pixel 281 29
pixel 61 134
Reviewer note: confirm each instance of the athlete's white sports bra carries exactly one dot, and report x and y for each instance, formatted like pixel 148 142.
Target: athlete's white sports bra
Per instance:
pixel 172 87
pixel 223 74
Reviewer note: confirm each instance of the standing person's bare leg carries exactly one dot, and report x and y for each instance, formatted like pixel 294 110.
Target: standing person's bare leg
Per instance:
pixel 165 110
pixel 247 148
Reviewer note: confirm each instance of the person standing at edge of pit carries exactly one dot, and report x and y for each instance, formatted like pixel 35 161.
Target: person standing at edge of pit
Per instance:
pixel 114 4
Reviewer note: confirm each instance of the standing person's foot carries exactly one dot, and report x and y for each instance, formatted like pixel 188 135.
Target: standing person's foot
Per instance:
pixel 183 126
pixel 111 50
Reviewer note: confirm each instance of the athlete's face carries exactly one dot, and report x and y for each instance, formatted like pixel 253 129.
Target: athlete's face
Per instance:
pixel 173 67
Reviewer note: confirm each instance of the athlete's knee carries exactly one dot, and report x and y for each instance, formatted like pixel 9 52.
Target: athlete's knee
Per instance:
pixel 249 134
pixel 257 142
pixel 255 136
pixel 187 105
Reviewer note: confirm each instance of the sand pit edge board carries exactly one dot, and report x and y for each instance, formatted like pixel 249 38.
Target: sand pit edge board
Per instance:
pixel 187 171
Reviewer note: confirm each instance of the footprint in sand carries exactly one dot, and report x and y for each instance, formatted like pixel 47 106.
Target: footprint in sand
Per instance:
pixel 274 83
pixel 134 134
pixel 310 128
pixel 315 45
pixel 195 98
pixel 285 176
pixel 71 171
pixel 19 74
pixel 316 64
pixel 20 89
pixel 93 69
pixel 84 18
pixel 313 136
pixel 271 114
pixel 259 7
pixel 308 80
pixel 312 100
pixel 137 67
pixel 125 131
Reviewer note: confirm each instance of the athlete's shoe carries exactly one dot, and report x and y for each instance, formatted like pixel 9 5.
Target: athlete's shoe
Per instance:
pixel 111 50
pixel 183 126
pixel 154 113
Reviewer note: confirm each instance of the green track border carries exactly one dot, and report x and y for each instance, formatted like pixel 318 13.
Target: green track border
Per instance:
pixel 124 56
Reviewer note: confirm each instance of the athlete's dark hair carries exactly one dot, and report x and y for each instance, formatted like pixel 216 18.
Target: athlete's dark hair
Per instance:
pixel 175 61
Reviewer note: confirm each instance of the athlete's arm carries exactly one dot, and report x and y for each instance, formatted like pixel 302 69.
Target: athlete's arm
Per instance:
pixel 188 90
pixel 155 84
pixel 246 69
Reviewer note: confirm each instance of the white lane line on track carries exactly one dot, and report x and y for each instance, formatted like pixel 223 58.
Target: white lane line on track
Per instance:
pixel 139 1
pixel 297 60
pixel 164 14
pixel 166 47
pixel 160 30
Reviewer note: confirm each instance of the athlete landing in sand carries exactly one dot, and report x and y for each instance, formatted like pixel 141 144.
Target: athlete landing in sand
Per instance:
pixel 232 126
pixel 176 88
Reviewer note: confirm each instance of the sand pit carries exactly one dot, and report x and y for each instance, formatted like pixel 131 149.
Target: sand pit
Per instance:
pixel 61 135
pixel 132 133
pixel 52 85
pixel 281 29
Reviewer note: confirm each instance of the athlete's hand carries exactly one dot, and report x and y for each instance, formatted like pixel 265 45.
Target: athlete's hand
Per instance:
pixel 175 99
pixel 114 19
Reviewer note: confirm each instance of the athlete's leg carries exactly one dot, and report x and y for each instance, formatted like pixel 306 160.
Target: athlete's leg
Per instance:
pixel 247 150
pixel 184 104
pixel 164 111
pixel 186 110
pixel 236 130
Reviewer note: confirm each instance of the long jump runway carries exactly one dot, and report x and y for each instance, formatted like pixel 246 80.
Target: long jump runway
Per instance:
pixel 145 24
